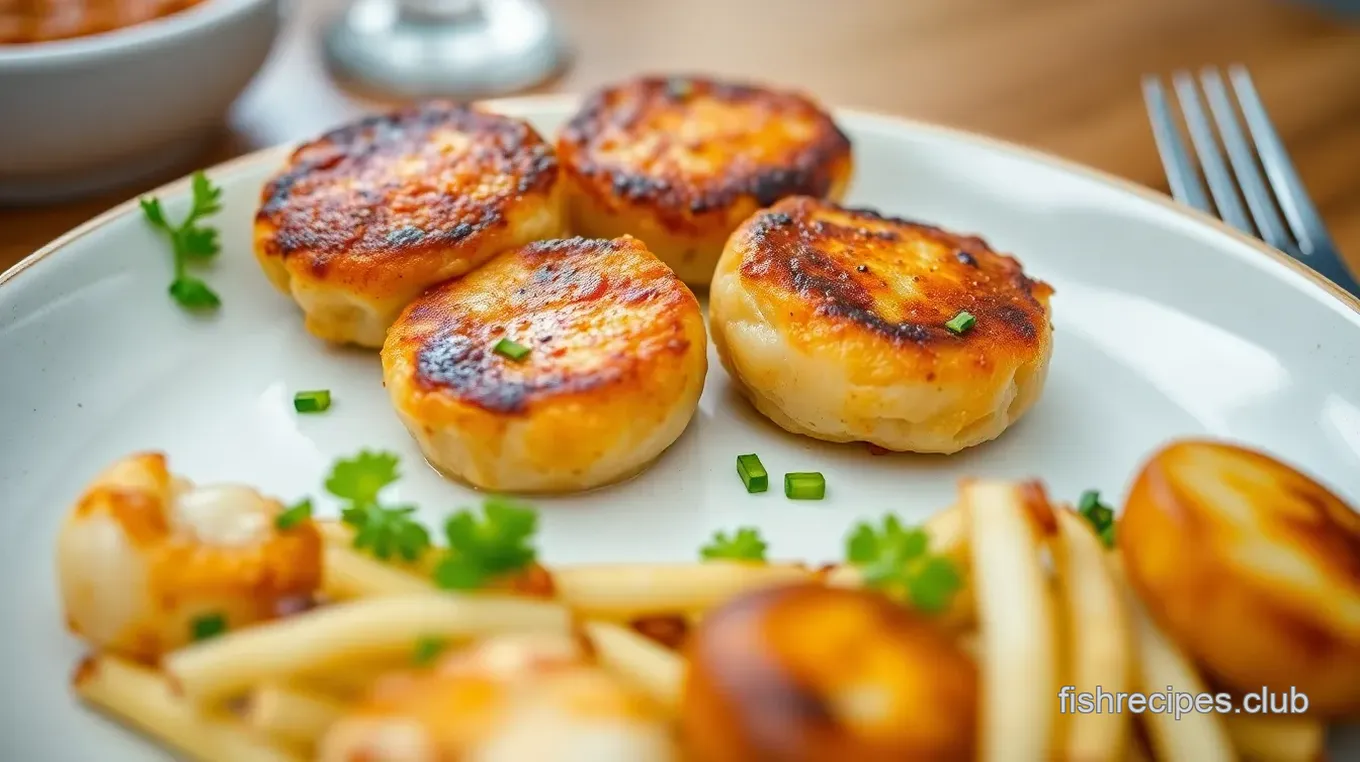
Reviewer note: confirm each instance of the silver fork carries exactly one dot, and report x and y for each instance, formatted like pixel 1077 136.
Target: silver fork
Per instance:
pixel 1305 238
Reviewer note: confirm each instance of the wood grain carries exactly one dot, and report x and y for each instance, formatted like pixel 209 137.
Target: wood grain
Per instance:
pixel 1059 75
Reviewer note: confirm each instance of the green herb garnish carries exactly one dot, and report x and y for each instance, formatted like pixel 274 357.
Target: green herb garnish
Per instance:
pixel 382 530
pixel 428 649
pixel 961 323
pixel 897 560
pixel 1100 516
pixel 190 241
pixel 317 401
pixel 809 485
pixel 745 544
pixel 484 547
pixel 207 626
pixel 296 514
pixel 752 473
pixel 511 350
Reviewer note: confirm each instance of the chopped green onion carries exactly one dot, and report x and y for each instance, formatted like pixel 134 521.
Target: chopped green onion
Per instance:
pixel 961 323
pixel 294 515
pixel 207 626
pixel 428 649
pixel 752 473
pixel 511 350
pixel 808 485
pixel 317 401
pixel 1100 516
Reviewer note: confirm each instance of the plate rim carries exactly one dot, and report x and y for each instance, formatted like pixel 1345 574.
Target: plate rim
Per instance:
pixel 565 101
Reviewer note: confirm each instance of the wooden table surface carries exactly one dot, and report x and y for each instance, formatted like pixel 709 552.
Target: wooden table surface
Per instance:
pixel 1059 75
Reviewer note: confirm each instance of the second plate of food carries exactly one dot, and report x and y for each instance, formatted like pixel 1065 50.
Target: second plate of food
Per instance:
pixel 843 324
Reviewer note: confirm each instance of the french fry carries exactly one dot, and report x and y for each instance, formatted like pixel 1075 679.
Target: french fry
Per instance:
pixel 653 668
pixel 1277 738
pixel 1017 635
pixel 1098 644
pixel 292 716
pixel 619 592
pixel 349 574
pixel 145 699
pixel 364 629
pixel 1161 666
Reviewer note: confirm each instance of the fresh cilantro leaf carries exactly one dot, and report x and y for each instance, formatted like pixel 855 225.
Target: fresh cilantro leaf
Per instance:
pixel 361 478
pixel 428 649
pixel 297 514
pixel 207 626
pixel 484 547
pixel 190 241
pixel 1099 515
pixel 199 243
pixel 155 215
pixel 193 293
pixel 897 560
pixel 745 544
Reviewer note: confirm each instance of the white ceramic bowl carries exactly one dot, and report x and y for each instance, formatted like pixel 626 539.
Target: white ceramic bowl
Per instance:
pixel 91 113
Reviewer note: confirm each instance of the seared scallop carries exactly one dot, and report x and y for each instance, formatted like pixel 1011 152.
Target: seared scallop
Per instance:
pixel 846 325
pixel 559 366
pixel 807 673
pixel 1252 567
pixel 366 217
pixel 681 162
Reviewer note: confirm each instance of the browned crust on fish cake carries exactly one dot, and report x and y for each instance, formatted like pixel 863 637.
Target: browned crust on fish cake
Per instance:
pixel 760 162
pixel 835 264
pixel 599 317
pixel 402 190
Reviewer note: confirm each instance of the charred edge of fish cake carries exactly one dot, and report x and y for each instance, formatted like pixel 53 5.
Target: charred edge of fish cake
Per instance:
pixel 784 248
pixel 334 196
pixel 456 356
pixel 808 169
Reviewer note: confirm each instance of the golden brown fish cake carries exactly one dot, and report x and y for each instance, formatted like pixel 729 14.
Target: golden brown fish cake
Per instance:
pixel 832 321
pixel 367 216
pixel 680 162
pixel 616 363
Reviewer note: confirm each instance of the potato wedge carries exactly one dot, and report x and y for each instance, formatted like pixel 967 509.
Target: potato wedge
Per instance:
pixel 1277 738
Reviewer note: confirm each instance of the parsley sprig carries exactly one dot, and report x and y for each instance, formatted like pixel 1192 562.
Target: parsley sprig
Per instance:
pixel 1100 515
pixel 382 530
pixel 482 547
pixel 191 242
pixel 898 561
pixel 745 544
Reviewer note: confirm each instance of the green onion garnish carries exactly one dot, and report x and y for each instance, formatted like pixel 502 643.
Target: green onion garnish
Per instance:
pixel 294 515
pixel 317 401
pixel 207 626
pixel 808 485
pixel 427 650
pixel 752 473
pixel 961 323
pixel 511 350
pixel 1100 516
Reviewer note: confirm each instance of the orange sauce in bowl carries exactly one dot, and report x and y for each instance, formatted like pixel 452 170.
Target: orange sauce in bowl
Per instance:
pixel 33 21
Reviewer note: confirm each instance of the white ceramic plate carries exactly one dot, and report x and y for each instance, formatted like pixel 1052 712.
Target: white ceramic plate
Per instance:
pixel 1166 325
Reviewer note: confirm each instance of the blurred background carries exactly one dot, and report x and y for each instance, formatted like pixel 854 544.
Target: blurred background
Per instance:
pixel 1059 75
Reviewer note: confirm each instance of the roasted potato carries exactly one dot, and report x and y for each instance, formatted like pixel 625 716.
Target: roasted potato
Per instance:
pixel 1252 567
pixel 806 673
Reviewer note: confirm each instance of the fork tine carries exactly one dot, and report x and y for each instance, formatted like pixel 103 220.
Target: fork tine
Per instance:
pixel 1298 209
pixel 1180 170
pixel 1221 185
pixel 1241 156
